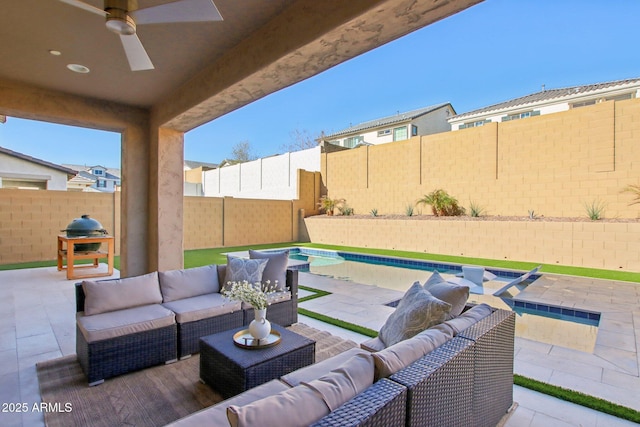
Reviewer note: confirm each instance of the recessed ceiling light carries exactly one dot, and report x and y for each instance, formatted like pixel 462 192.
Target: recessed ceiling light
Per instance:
pixel 55 52
pixel 77 68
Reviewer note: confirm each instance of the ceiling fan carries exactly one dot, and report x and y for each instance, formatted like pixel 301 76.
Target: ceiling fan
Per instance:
pixel 122 17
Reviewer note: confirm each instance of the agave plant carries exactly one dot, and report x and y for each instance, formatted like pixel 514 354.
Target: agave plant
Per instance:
pixel 442 204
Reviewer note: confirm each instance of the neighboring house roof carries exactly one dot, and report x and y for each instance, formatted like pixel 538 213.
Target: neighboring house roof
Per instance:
pixel 551 94
pixel 192 164
pixel 111 173
pixel 389 120
pixel 81 180
pixel 60 168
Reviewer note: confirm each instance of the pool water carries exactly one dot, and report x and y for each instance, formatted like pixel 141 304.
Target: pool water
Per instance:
pixel 543 323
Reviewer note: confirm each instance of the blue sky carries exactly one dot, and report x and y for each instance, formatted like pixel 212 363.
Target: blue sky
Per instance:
pixel 492 52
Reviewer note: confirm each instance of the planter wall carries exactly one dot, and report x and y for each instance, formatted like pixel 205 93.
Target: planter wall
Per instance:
pixel 608 245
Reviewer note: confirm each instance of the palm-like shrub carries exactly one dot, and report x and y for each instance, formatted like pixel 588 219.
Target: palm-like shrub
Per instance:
pixel 635 190
pixel 328 205
pixel 442 204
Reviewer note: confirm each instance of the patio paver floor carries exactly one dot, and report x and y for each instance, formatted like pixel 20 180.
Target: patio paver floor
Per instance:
pixel 38 312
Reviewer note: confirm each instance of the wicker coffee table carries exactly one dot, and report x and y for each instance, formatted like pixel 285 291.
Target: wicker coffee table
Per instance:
pixel 230 369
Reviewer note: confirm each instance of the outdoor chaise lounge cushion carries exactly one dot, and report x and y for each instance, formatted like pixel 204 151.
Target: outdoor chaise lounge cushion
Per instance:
pixel 112 295
pixel 402 354
pixel 202 307
pixel 276 269
pixel 187 283
pixel 456 295
pixel 123 322
pixel 240 269
pixel 416 311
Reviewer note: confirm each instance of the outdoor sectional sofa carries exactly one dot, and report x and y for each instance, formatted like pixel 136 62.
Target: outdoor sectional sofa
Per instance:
pixel 456 377
pixel 129 324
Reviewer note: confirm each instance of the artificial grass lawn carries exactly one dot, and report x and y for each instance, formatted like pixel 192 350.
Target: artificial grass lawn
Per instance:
pixel 578 398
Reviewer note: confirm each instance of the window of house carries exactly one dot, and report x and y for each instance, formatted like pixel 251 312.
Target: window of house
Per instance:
pixel 414 130
pixel 400 133
pixel 620 97
pixel 384 132
pixel 24 184
pixel 518 116
pixel 353 141
pixel 101 183
pixel 583 103
pixel 474 124
pixel 98 172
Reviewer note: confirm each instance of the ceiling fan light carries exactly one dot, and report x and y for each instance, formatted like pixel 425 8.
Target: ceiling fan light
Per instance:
pixel 120 22
pixel 78 68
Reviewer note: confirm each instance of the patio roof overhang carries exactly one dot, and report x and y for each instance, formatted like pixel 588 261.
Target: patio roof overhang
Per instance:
pixel 202 71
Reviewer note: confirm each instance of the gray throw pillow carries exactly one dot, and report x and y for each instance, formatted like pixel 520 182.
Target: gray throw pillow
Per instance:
pixel 240 269
pixel 418 310
pixel 276 269
pixel 119 294
pixel 456 295
pixel 188 282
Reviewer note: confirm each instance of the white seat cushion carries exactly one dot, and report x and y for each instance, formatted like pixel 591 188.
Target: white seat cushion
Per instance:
pixel 119 323
pixel 201 307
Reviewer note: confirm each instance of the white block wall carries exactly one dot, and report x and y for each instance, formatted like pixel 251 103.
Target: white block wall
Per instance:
pixel 272 178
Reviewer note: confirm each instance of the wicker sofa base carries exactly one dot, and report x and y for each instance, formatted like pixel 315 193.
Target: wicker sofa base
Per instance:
pixel 189 334
pixel 108 358
pixel 382 404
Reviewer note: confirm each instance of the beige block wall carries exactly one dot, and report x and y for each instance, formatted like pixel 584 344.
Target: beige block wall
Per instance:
pixel 608 245
pixel 30 221
pixel 553 164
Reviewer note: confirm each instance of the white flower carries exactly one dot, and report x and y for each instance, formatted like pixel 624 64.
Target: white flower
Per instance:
pixel 255 294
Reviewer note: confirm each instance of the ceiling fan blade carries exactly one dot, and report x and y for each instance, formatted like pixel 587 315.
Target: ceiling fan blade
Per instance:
pixel 178 11
pixel 85 6
pixel 137 56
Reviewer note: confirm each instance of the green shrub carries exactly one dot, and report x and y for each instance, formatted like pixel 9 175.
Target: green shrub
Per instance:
pixel 595 210
pixel 374 212
pixel 475 210
pixel 408 210
pixel 329 205
pixel 345 210
pixel 442 204
pixel 635 190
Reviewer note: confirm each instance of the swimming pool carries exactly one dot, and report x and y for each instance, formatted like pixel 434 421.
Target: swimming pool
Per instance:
pixel 550 324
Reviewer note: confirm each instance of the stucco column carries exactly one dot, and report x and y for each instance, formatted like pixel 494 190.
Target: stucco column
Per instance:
pixel 134 211
pixel 166 170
